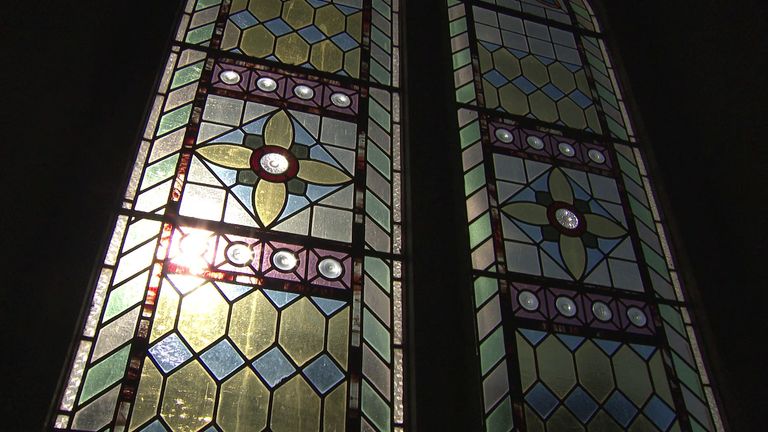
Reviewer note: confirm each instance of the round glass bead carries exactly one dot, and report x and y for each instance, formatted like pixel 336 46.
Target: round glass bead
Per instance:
pixel 266 84
pixel 566 149
pixel 535 142
pixel 303 92
pixel 504 135
pixel 637 316
pixel 229 77
pixel 528 300
pixel 274 163
pixel 567 218
pixel 285 260
pixel 239 254
pixel 566 306
pixel 602 311
pixel 330 268
pixel 340 100
pixel 596 155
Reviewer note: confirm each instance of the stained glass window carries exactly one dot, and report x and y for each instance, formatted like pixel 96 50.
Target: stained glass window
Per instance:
pixel 254 279
pixel 581 320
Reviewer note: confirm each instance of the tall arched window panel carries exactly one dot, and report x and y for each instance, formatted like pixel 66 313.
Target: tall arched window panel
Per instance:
pixel 254 277
pixel 581 320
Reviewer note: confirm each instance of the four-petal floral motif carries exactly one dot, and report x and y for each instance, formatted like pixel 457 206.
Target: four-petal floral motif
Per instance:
pixel 275 162
pixel 567 220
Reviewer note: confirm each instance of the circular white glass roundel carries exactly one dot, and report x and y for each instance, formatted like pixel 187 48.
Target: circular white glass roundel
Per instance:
pixel 528 300
pixel 602 311
pixel 239 254
pixel 504 135
pixel 230 77
pixel 596 155
pixel 274 163
pixel 340 100
pixel 535 142
pixel 266 84
pixel 637 316
pixel 566 218
pixel 303 92
pixel 285 260
pixel 330 268
pixel 566 149
pixel 566 306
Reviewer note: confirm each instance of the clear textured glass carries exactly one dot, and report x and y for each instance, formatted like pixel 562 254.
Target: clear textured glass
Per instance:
pixel 567 218
pixel 341 100
pixel 285 260
pixel 230 77
pixel 304 92
pixel 566 306
pixel 528 300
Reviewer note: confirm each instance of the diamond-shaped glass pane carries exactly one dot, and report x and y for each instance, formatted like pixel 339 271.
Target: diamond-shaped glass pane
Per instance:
pixel 620 408
pixel 542 400
pixel 170 352
pixel 273 367
pixel 581 404
pixel 222 359
pixel 323 373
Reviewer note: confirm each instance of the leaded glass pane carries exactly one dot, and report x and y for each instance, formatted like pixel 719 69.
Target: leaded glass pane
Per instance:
pixel 580 317
pixel 254 279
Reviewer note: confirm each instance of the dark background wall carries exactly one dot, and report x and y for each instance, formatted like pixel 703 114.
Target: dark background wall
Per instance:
pixel 76 77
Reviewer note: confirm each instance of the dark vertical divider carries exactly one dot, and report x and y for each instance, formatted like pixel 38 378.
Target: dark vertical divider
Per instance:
pixel 444 386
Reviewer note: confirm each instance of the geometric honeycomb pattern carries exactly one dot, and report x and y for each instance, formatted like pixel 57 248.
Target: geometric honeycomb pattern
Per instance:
pixel 619 386
pixel 552 10
pixel 258 349
pixel 314 34
pixel 265 197
pixel 559 208
pixel 533 70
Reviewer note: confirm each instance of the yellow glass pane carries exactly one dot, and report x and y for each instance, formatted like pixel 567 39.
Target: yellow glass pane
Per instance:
pixel 203 316
pixel 292 49
pixel 302 328
pixel 265 9
pixel 189 398
pixel 148 396
pixel 352 63
pixel 296 407
pixel 338 336
pixel 269 199
pixel 227 155
pixel 298 13
pixel 335 415
pixel 257 42
pixel 320 173
pixel 279 130
pixel 165 313
pixel 326 56
pixel 243 403
pixel 253 324
pixel 329 20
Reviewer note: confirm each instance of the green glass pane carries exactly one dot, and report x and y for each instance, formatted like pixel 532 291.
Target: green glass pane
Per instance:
pixel 174 119
pixel 376 335
pixel 105 374
pixel 491 350
pixel 379 270
pixel 485 287
pixel 200 34
pixel 377 210
pixel 187 75
pixel 375 408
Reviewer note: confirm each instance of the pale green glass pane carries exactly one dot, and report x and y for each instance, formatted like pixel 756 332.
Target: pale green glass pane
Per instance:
pixel 105 374
pixel 376 335
pixel 375 408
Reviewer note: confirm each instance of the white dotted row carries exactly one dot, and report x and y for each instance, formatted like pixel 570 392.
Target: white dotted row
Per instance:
pixel 537 143
pixel 269 85
pixel 567 307
pixel 284 260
